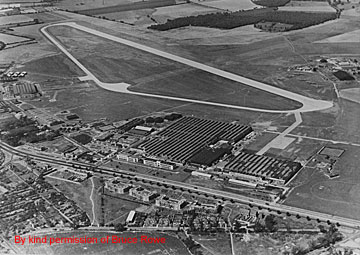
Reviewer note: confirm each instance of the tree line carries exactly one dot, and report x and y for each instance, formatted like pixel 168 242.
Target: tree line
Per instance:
pixel 226 20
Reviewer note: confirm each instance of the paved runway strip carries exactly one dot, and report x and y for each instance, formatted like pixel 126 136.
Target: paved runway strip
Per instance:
pixel 309 104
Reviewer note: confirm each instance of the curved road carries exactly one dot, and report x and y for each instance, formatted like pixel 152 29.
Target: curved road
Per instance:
pixel 309 104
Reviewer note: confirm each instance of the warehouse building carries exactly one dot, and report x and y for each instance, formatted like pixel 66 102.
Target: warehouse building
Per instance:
pixel 208 156
pixel 189 135
pixel 274 171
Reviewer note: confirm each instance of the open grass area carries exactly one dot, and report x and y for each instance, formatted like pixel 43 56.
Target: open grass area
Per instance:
pixel 114 62
pixel 337 125
pixel 117 208
pixel 339 196
pixel 56 66
pixel 216 244
pixel 79 193
pixel 266 61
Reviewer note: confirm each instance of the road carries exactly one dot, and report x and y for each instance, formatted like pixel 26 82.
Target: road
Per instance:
pixel 216 194
pixel 92 202
pixel 308 104
pixel 278 140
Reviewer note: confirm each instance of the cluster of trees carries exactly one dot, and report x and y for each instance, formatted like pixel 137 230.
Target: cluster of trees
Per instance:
pixel 154 120
pixel 169 117
pixel 26 130
pixel 330 236
pixel 119 227
pixel 227 20
pixel 269 225
pixel 192 245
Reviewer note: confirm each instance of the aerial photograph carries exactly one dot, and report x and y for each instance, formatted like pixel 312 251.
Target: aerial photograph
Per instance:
pixel 180 127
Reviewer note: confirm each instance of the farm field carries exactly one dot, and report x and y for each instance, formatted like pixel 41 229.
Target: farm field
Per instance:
pixel 310 6
pixel 5 20
pixel 159 73
pixel 352 94
pixel 89 4
pixel 7 38
pixel 231 5
pixel 137 17
pixel 349 37
pixel 212 36
pixel 172 245
pixel 216 244
pixel 138 5
pixel 339 196
pixel 171 12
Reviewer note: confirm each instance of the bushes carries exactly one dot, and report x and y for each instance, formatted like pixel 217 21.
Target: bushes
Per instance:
pixel 2 45
pixel 242 18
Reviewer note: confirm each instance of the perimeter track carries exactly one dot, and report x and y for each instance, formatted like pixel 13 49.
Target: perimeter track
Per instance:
pixel 308 104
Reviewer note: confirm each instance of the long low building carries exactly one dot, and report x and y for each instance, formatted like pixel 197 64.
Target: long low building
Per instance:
pixel 207 156
pixel 189 135
pixel 243 183
pixel 275 171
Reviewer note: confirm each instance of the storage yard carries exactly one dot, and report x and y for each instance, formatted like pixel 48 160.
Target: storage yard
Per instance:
pixel 181 140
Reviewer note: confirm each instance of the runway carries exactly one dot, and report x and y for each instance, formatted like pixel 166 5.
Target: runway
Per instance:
pixel 308 104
